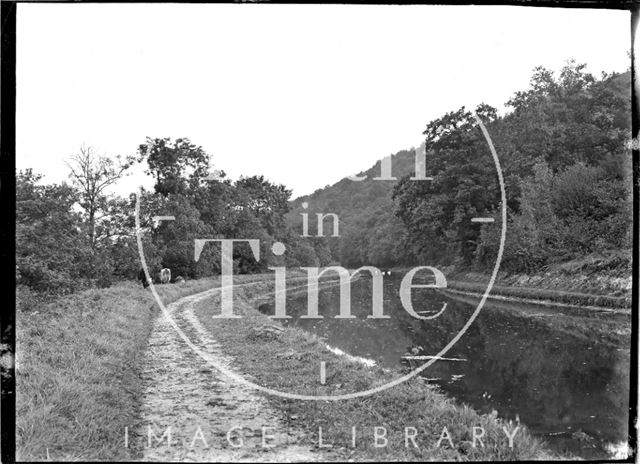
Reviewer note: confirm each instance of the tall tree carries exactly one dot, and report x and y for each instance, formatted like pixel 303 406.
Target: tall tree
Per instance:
pixel 437 213
pixel 268 202
pixel 52 253
pixel 176 165
pixel 92 174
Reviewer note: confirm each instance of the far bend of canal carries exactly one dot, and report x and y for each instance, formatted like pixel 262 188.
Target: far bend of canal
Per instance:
pixel 563 372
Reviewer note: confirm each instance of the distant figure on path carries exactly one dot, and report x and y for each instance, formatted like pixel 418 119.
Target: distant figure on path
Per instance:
pixel 142 277
pixel 165 276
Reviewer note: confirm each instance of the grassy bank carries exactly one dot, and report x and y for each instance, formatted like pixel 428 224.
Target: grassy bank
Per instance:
pixel 543 295
pixel 599 280
pixel 77 383
pixel 289 361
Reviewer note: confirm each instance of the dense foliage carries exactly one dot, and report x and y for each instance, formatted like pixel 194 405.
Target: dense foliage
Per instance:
pixel 567 172
pixel 65 242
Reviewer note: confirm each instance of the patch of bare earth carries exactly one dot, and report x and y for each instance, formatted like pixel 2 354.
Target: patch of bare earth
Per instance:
pixel 187 398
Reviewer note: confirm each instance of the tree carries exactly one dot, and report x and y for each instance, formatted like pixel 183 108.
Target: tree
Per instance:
pixel 268 202
pixel 92 175
pixel 52 252
pixel 565 169
pixel 176 165
pixel 437 213
pixel 569 119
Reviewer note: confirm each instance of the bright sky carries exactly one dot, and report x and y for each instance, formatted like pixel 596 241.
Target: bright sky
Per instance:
pixel 303 94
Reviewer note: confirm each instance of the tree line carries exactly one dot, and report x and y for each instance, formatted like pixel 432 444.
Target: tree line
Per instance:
pixel 562 148
pixel 75 235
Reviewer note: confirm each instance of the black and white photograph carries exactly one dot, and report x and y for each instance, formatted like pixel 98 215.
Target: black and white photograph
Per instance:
pixel 270 232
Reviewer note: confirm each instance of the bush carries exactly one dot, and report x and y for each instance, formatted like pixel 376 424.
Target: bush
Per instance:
pixel 577 211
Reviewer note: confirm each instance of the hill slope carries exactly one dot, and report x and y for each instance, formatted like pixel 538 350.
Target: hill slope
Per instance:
pixel 368 229
pixel 567 175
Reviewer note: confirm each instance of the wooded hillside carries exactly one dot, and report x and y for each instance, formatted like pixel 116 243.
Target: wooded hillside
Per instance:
pixel 567 170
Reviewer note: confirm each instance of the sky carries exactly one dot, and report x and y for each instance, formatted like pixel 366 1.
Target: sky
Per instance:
pixel 302 94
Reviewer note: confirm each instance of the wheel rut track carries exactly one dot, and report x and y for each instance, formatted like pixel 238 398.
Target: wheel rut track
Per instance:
pixel 201 405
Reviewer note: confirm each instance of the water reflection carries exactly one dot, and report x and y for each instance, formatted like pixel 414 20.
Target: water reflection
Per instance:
pixel 564 375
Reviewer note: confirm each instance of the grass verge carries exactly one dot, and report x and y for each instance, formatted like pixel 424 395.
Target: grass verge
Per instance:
pixel 77 364
pixel 544 295
pixel 289 361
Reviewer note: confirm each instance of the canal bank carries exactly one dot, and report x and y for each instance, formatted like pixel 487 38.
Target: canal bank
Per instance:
pixel 562 371
pixel 289 360
pixel 542 297
pixel 595 281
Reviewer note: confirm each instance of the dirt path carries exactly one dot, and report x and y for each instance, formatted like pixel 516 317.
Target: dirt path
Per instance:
pixel 200 407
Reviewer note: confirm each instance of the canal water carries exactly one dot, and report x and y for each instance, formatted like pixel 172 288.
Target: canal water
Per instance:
pixel 562 372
